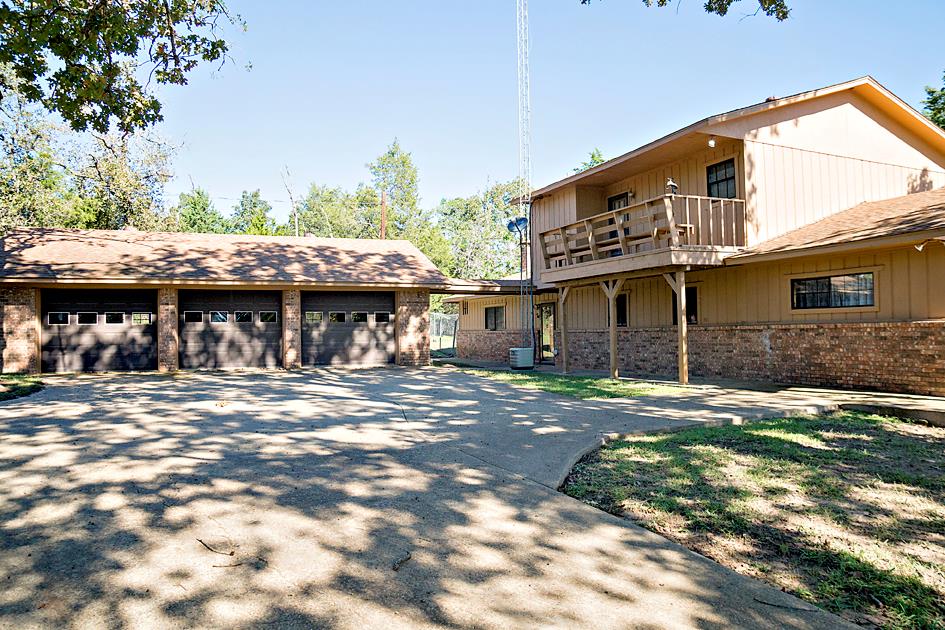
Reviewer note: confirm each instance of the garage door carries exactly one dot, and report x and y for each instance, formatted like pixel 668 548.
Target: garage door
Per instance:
pixel 347 327
pixel 230 329
pixel 96 330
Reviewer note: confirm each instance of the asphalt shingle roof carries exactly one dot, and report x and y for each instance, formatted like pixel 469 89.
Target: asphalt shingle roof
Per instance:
pixel 129 255
pixel 918 212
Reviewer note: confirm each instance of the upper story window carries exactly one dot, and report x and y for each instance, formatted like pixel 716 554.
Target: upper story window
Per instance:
pixel 721 179
pixel 618 202
pixel 843 291
pixel 495 318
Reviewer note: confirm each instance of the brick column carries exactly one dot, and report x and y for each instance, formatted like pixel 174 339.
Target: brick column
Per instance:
pixel 291 329
pixel 167 322
pixel 20 338
pixel 413 327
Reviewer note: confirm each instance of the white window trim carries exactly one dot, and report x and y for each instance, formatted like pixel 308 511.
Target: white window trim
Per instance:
pixel 51 313
pixel 107 313
pixel 275 321
pixel 79 315
pixel 226 317
pixel 187 322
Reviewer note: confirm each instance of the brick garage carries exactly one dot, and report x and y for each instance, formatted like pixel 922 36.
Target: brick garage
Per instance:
pixel 906 357
pixel 196 279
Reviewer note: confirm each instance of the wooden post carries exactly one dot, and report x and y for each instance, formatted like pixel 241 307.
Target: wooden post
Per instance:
pixel 611 289
pixel 563 324
pixel 682 327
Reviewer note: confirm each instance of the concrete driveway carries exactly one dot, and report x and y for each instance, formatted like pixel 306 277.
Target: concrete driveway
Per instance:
pixel 336 498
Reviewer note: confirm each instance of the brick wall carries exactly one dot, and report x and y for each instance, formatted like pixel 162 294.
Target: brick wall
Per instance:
pixel 487 345
pixel 168 344
pixel 891 356
pixel 291 329
pixel 19 342
pixel 413 327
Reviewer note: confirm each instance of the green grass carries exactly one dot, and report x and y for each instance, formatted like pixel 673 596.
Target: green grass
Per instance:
pixel 17 385
pixel 584 387
pixel 846 510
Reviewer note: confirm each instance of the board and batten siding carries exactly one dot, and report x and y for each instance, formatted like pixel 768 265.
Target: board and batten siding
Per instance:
pixel 808 161
pixel 910 286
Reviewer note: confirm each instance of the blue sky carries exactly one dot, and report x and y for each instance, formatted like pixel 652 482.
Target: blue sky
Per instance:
pixel 332 83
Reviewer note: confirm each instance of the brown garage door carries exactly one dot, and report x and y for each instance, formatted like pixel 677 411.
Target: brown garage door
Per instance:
pixel 96 330
pixel 230 329
pixel 347 327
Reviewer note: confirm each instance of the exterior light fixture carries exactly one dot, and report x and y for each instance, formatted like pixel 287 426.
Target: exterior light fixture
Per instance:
pixel 711 142
pixel 672 186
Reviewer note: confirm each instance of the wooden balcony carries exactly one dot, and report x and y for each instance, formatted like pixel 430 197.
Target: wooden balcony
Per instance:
pixel 665 231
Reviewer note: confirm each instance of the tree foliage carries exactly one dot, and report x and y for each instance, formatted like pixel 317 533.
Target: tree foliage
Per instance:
pixel 85 59
pixel 934 104
pixel 252 215
pixel 777 9
pixel 195 212
pixel 594 158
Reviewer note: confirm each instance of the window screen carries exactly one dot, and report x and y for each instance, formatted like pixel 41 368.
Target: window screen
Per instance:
pixel 855 289
pixel 88 318
pixel 721 179
pixel 58 319
pixel 495 318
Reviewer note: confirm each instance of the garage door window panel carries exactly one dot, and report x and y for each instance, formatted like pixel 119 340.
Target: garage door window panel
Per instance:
pixel 193 317
pixel 58 319
pixel 359 317
pixel 140 319
pixel 114 318
pixel 313 317
pixel 382 318
pixel 337 317
pixel 87 319
pixel 243 317
pixel 219 317
pixel 268 317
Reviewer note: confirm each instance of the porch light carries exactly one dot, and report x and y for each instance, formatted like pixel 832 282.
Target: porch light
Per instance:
pixel 711 142
pixel 672 186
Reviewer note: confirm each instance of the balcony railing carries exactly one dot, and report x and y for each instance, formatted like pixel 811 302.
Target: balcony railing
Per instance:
pixel 669 221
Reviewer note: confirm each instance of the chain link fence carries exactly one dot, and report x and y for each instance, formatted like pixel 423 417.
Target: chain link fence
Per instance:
pixel 443 334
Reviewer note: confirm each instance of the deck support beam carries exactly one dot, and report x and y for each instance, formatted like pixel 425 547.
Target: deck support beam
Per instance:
pixel 563 293
pixel 611 289
pixel 678 284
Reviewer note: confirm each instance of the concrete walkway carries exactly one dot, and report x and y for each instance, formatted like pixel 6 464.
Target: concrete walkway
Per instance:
pixel 353 499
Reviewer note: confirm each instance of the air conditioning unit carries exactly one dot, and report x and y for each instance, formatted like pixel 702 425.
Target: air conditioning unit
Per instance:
pixel 521 358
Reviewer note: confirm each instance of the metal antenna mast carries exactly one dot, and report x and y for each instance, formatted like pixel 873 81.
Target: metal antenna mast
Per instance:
pixel 527 297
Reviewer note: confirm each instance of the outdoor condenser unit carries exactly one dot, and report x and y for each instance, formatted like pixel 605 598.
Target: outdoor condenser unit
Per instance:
pixel 521 358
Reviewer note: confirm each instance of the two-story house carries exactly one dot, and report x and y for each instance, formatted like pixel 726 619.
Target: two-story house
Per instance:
pixel 798 240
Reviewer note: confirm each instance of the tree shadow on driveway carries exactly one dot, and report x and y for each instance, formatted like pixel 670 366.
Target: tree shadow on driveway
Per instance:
pixel 333 498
